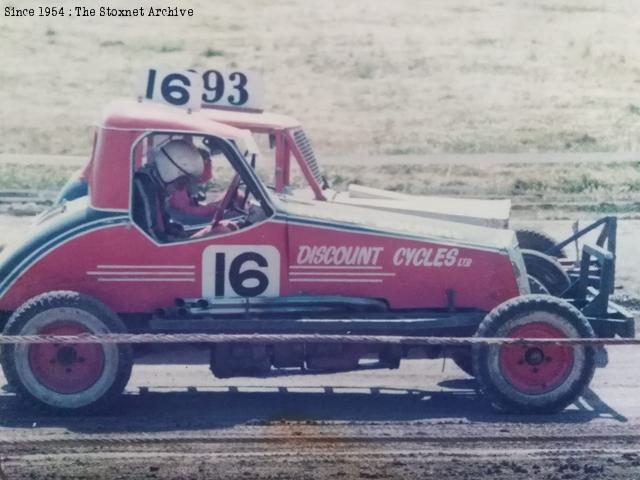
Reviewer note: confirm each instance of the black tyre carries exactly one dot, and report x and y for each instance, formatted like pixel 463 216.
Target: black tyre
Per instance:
pixel 66 377
pixel 538 379
pixel 547 271
pixel 535 240
pixel 536 287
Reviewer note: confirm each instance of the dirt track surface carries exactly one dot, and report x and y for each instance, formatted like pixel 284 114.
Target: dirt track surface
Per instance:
pixel 422 422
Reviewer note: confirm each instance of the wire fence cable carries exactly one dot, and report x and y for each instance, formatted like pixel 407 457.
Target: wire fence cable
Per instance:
pixel 139 338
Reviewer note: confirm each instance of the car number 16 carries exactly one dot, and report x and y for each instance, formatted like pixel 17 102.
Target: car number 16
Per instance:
pixel 240 271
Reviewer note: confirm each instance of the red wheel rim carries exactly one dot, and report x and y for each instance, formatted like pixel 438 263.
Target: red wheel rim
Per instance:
pixel 538 369
pixel 66 368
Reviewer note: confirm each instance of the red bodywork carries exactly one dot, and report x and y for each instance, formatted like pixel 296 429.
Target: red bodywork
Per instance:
pixel 126 270
pixel 123 267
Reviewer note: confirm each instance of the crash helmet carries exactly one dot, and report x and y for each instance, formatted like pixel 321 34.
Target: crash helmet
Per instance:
pixel 176 159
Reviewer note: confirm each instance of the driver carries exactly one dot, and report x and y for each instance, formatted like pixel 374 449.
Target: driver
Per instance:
pixel 179 165
pixel 182 201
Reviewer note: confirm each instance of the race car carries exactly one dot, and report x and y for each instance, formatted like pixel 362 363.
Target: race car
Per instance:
pixel 115 261
pixel 545 259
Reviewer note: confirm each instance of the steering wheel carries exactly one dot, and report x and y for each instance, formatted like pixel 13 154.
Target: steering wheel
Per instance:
pixel 241 206
pixel 228 198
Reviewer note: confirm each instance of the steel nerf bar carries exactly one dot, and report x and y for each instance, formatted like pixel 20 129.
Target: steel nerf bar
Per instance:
pixel 596 299
pixel 608 233
pixel 303 338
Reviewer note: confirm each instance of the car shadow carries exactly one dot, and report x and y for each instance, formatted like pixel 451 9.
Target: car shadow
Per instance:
pixel 193 409
pixel 589 406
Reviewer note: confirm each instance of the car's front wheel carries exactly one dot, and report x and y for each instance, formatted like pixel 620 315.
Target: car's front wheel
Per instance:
pixel 534 378
pixel 66 377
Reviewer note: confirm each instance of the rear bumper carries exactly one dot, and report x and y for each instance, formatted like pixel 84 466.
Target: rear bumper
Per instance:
pixel 594 282
pixel 618 322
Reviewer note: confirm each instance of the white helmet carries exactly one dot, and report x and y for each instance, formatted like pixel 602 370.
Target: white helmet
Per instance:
pixel 176 159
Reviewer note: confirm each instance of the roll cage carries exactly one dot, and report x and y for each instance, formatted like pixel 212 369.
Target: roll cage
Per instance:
pixel 290 141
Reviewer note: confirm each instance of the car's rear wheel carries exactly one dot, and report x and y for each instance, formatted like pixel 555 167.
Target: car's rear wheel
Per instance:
pixel 530 239
pixel 540 378
pixel 547 271
pixel 66 377
pixel 536 286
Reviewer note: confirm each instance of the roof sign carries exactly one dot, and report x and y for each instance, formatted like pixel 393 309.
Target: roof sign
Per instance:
pixel 178 88
pixel 190 89
pixel 232 89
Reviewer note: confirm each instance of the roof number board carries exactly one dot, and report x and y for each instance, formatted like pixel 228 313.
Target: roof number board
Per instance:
pixel 213 88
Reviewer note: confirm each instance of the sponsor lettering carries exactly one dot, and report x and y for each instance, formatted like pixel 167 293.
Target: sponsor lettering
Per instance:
pixel 338 255
pixel 429 257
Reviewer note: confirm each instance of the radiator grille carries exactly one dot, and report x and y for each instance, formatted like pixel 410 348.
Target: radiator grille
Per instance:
pixel 307 153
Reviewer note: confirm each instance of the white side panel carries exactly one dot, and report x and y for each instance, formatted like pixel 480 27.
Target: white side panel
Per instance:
pixel 488 213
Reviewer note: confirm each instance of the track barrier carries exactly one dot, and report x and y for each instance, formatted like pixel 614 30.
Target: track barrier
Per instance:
pixel 140 338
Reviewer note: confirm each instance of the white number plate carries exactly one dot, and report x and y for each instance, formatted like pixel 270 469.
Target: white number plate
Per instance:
pixel 232 88
pixel 240 271
pixel 177 88
pixel 212 88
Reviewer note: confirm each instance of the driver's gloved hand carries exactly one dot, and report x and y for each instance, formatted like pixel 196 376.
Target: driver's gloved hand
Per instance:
pixel 223 227
pixel 174 229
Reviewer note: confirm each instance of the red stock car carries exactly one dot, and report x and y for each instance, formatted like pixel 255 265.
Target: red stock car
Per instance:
pixel 114 261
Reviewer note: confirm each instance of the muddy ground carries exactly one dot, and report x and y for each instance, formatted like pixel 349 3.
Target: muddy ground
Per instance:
pixel 422 421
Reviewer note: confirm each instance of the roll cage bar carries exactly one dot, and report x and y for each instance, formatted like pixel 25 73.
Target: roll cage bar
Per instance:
pixel 287 146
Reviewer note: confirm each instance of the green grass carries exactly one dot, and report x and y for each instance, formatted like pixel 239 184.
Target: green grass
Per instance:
pixel 405 77
pixel 550 188
pixel 166 48
pixel 569 8
pixel 34 177
pixel 583 183
pixel 633 186
pixel 212 52
pixel 574 182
